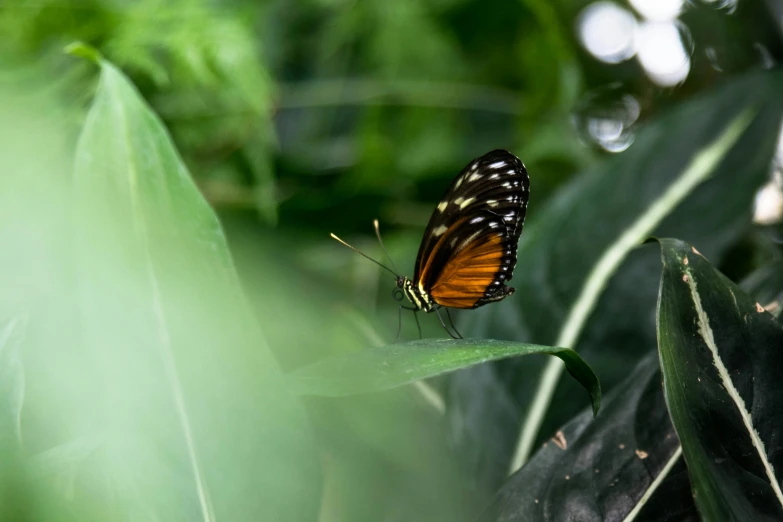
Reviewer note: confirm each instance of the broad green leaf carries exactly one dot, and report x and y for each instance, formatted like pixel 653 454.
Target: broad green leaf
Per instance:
pixel 153 393
pixel 720 354
pixel 582 242
pixel 393 365
pixel 624 465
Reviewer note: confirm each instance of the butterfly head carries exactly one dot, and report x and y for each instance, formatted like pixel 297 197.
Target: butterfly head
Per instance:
pixel 404 287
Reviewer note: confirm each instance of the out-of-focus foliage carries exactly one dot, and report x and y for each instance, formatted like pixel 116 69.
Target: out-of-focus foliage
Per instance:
pixel 296 119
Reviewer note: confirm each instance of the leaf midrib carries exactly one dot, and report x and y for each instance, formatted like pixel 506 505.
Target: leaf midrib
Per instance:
pixel 164 336
pixel 705 331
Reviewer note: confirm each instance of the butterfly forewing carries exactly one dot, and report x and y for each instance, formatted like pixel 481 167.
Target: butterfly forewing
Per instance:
pixel 469 247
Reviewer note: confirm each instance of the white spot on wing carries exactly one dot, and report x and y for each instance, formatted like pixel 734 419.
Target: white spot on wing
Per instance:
pixel 492 203
pixel 440 230
pixel 497 164
pixel 494 176
pixel 477 219
pixel 474 176
pixel 469 240
pixel 442 205
pixel 466 203
pixel 458 201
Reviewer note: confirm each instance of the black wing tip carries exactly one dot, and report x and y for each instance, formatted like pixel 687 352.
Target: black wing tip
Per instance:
pixel 500 152
pixel 501 155
pixel 498 295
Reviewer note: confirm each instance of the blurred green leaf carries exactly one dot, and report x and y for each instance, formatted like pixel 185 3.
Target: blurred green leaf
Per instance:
pixel 169 368
pixel 394 365
pixel 624 465
pixel 33 141
pixel 720 352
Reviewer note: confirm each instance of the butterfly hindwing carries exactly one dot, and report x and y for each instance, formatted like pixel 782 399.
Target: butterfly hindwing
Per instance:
pixel 476 258
pixel 469 248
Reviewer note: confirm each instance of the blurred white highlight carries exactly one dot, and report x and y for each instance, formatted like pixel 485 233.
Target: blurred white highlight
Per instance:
pixel 768 206
pixel 662 53
pixel 607 32
pixel 658 10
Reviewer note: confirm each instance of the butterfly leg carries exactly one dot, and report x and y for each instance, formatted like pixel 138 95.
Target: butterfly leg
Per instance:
pixel 444 325
pixel 451 321
pixel 416 316
pixel 399 321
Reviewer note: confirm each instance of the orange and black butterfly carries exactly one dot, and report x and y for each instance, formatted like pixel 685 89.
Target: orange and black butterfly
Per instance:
pixel 469 248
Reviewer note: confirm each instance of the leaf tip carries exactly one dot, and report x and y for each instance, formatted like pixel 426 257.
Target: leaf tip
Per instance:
pixel 596 403
pixel 82 50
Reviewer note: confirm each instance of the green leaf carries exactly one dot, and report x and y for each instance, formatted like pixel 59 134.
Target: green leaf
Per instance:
pixel 625 465
pixel 156 353
pixel 721 354
pixel 582 243
pixel 394 365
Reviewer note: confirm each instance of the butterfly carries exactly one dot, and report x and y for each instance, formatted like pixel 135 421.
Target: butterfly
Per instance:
pixel 469 249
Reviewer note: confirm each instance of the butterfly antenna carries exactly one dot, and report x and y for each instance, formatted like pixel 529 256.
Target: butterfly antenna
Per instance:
pixel 383 247
pixel 364 255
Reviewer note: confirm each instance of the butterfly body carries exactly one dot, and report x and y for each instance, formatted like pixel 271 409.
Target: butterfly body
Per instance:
pixel 420 300
pixel 469 248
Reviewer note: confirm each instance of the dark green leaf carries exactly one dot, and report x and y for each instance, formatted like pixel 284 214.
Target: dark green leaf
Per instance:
pixel 627 461
pixel 393 365
pixel 721 354
pixel 570 291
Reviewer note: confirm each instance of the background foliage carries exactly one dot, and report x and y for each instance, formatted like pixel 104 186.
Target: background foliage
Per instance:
pixel 296 119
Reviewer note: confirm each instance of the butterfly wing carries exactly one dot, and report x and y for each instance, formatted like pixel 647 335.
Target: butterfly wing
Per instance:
pixel 470 244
